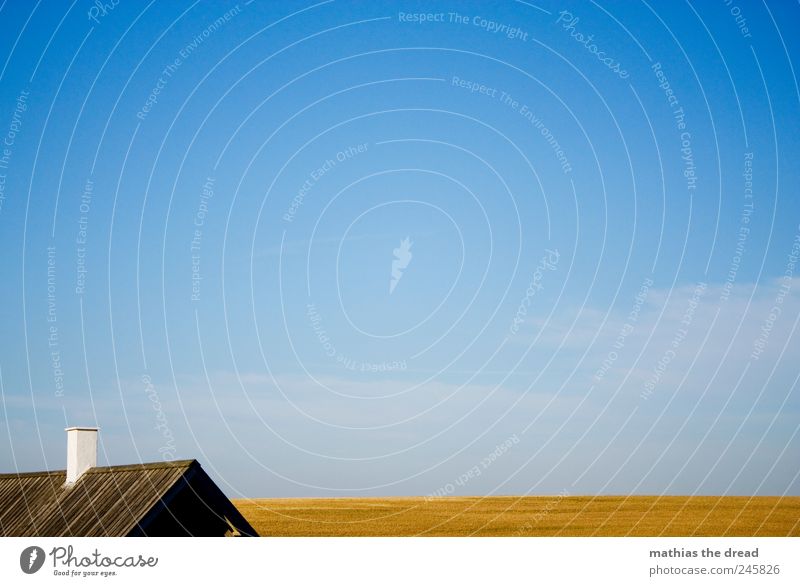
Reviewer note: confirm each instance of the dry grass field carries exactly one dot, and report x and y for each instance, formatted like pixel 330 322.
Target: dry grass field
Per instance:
pixel 525 516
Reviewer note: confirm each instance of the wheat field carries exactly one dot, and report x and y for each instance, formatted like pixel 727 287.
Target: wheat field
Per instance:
pixel 525 516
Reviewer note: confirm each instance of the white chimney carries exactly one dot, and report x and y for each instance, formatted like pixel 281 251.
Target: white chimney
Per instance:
pixel 81 451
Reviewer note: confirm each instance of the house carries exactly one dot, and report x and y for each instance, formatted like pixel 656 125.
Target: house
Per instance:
pixel 158 499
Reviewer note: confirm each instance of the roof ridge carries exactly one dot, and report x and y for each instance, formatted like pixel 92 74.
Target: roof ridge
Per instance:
pixel 103 469
pixel 30 474
pixel 142 466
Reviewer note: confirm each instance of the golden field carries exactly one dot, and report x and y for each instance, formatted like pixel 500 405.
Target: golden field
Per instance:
pixel 525 516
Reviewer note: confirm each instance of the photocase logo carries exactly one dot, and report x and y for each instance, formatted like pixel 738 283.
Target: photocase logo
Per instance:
pixel 31 559
pixel 402 256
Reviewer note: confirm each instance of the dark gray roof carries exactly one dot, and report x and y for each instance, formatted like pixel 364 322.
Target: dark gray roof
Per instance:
pixel 105 501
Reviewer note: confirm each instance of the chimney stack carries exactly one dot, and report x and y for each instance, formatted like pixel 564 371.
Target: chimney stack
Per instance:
pixel 81 451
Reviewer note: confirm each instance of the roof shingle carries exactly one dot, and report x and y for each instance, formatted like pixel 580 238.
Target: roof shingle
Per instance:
pixel 105 501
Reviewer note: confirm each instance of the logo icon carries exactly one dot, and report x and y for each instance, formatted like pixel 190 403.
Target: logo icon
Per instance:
pixel 402 256
pixel 31 559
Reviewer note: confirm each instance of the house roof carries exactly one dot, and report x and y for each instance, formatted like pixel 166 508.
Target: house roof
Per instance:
pixel 104 501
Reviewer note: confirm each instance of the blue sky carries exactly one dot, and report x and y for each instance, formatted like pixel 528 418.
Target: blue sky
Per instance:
pixel 599 272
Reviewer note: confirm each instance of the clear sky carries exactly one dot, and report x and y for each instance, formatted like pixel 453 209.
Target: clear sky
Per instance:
pixel 389 248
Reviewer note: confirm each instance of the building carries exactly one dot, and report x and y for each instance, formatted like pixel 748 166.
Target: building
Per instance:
pixel 158 499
